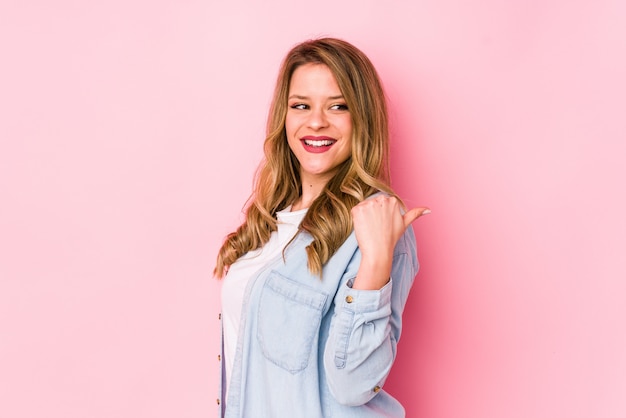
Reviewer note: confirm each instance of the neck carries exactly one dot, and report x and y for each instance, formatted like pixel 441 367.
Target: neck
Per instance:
pixel 310 191
pixel 309 194
pixel 312 186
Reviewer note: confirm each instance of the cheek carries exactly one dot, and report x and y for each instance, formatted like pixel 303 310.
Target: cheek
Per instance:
pixel 290 133
pixel 347 130
pixel 290 127
pixel 347 152
pixel 346 124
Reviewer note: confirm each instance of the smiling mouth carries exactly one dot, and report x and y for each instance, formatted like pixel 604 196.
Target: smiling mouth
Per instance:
pixel 318 141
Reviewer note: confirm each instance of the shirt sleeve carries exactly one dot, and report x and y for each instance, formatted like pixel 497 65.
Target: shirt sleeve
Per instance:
pixel 366 327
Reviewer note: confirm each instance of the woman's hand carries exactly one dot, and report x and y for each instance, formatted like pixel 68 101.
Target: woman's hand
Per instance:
pixel 378 224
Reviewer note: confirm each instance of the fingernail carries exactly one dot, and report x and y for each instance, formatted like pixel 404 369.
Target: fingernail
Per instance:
pixel 426 212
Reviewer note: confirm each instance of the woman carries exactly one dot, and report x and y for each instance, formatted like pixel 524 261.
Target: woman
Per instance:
pixel 316 278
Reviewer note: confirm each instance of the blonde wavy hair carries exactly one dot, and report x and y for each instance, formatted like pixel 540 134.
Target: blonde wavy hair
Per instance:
pixel 277 182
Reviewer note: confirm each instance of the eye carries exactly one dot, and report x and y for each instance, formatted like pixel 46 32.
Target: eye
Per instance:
pixel 299 106
pixel 341 106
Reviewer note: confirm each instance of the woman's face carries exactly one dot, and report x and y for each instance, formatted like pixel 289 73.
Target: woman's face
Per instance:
pixel 318 124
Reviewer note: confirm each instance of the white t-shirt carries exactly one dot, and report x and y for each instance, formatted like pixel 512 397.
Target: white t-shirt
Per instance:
pixel 240 273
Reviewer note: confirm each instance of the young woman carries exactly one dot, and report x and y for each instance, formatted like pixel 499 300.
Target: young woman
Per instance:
pixel 316 278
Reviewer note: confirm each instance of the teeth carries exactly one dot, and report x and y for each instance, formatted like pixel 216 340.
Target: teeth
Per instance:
pixel 315 143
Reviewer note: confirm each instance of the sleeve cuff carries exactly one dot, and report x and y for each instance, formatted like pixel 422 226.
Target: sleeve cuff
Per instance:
pixel 359 301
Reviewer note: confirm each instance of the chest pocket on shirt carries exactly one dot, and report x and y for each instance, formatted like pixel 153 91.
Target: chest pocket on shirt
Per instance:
pixel 289 318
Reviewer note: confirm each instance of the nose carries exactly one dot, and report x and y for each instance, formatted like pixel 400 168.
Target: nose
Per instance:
pixel 317 119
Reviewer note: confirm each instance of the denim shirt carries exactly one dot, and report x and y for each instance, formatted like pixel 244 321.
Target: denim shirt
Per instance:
pixel 311 347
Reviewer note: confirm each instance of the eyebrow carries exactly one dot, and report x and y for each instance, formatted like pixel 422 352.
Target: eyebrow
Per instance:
pixel 297 96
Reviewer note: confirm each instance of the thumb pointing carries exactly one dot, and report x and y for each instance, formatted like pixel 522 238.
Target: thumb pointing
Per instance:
pixel 413 214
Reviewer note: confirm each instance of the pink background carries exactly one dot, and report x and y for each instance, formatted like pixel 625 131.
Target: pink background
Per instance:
pixel 129 134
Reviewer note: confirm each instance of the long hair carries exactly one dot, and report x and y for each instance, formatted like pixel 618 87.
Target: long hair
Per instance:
pixel 277 183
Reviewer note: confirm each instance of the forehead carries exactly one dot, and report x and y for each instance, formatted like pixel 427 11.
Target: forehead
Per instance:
pixel 313 78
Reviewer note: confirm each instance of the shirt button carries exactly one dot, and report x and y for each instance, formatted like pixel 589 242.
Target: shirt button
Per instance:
pixel 376 389
pixel 219 357
pixel 218 401
pixel 349 299
pixel 219 316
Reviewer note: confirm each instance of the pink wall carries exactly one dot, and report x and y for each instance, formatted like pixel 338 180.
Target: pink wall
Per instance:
pixel 129 133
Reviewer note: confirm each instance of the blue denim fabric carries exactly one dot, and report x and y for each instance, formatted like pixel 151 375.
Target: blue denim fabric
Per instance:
pixel 317 348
